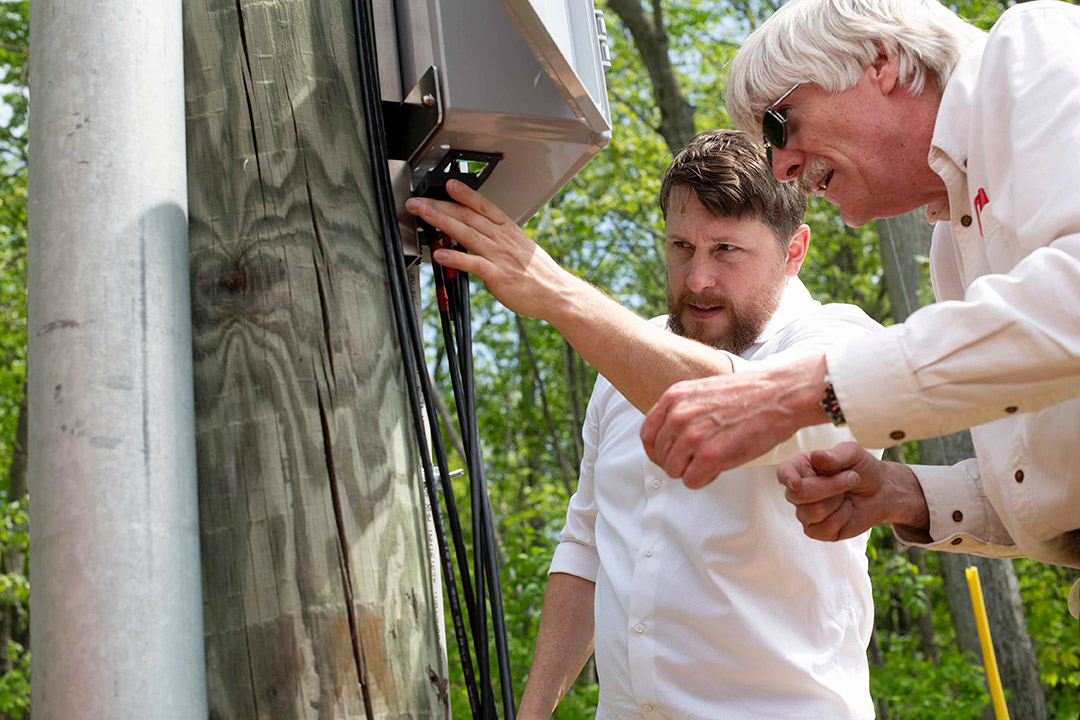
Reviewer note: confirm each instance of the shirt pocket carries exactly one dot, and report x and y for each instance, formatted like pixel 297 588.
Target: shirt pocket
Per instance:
pixel 1002 250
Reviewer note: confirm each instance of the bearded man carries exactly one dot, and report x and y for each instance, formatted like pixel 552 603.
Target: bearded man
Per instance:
pixel 708 603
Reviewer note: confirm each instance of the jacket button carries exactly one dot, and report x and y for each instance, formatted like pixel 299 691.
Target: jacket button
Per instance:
pixel 897 435
pixel 957 515
pixel 965 221
pixel 1011 409
pixel 957 541
pixel 1019 476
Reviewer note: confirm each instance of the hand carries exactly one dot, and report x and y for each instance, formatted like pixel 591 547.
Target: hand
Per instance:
pixel 843 492
pixel 515 269
pixel 700 428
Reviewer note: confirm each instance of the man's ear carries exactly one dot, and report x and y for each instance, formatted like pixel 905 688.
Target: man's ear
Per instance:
pixel 796 251
pixel 884 74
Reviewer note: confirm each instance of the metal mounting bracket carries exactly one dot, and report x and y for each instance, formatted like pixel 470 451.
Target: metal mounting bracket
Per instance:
pixel 411 123
pixel 470 167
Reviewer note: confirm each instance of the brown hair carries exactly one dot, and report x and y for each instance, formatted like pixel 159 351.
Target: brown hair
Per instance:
pixel 731 177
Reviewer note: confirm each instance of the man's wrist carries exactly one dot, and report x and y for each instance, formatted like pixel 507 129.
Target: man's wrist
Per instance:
pixel 805 379
pixel 907 503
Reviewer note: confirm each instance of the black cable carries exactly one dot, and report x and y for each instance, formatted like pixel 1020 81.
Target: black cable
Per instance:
pixel 406 325
pixel 455 317
pixel 491 552
pixel 451 312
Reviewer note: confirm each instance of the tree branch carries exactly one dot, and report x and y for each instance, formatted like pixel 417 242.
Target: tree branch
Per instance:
pixel 650 37
pixel 564 466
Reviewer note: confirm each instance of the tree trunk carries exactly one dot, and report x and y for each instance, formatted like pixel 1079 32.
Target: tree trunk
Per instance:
pixel 318 588
pixel 901 239
pixel 925 621
pixel 651 40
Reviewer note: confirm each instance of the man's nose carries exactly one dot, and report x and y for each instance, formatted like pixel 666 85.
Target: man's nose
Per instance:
pixel 701 277
pixel 787 163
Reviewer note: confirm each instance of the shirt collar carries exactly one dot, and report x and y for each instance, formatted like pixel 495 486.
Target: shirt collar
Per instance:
pixel 948 147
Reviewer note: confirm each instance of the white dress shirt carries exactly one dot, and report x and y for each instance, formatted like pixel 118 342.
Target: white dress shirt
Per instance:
pixel 712 604
pixel 1001 350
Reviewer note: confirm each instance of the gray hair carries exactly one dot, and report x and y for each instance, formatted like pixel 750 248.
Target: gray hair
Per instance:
pixel 831 43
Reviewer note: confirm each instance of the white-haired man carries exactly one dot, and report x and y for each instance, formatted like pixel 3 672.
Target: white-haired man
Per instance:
pixel 883 106
pixel 703 604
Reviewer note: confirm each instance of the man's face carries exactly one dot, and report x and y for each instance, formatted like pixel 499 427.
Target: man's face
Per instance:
pixel 725 276
pixel 864 149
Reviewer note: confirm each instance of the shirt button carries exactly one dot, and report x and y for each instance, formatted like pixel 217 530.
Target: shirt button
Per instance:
pixel 656 483
pixel 957 541
pixel 1019 476
pixel 897 434
pixel 648 553
pixel 647 708
pixel 966 220
pixel 957 515
pixel 1011 409
pixel 639 628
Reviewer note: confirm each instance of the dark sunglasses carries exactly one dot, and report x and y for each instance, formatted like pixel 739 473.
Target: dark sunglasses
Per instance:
pixel 774 124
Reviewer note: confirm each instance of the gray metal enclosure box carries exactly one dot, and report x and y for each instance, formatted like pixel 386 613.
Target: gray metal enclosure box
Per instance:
pixel 520 77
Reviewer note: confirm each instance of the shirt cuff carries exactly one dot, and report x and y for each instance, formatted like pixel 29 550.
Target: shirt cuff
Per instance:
pixel 873 382
pixel 573 558
pixel 961 517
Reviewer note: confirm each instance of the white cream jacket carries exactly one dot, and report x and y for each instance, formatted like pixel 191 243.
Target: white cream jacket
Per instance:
pixel 1000 351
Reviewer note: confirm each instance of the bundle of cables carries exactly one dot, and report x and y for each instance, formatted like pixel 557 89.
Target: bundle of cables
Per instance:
pixel 454 311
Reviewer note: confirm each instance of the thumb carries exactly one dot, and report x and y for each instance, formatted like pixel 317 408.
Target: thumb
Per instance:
pixel 842 457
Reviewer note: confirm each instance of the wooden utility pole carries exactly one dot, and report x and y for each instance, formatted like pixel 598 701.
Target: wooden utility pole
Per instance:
pixel 318 589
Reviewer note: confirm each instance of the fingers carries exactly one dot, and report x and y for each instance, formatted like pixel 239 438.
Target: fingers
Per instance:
pixel 805 489
pixel 795 467
pixel 471 264
pixel 650 428
pixel 460 223
pixel 843 456
pixel 664 432
pixel 836 526
pixel 814 513
pixel 473 200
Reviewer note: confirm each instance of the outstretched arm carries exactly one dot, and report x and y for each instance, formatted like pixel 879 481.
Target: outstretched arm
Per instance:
pixel 701 428
pixel 639 359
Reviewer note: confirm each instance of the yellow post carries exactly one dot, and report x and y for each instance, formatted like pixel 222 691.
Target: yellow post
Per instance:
pixel 997 695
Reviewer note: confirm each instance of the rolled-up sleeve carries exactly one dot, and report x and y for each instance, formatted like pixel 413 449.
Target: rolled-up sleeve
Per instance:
pixel 576 552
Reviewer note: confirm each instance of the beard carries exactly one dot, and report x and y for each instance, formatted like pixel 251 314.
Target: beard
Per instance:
pixel 746 320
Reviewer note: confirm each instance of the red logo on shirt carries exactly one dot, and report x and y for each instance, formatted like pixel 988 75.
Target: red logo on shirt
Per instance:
pixel 980 202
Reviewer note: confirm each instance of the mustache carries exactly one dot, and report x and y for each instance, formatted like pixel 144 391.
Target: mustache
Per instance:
pixel 706 300
pixel 810 174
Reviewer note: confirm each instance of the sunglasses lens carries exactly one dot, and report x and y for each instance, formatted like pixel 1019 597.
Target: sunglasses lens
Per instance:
pixel 772 127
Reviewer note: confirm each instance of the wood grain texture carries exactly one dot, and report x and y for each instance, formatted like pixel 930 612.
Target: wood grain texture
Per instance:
pixel 316 568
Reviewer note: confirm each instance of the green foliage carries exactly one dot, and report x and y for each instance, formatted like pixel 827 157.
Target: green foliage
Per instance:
pixel 909 680
pixel 1044 589
pixel 14 524
pixel 917 689
pixel 14 45
pixel 606 227
pixel 15 608
pixel 15 683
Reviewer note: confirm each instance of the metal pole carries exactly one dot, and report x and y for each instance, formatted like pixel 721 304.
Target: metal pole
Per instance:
pixel 116 621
